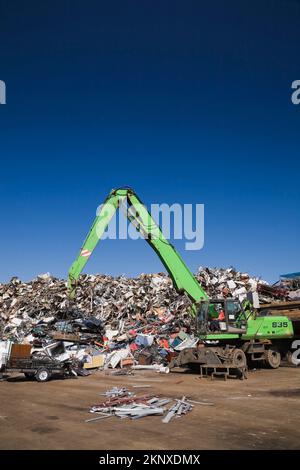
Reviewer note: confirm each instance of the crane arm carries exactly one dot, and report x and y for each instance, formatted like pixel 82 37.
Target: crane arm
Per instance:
pixel 100 223
pixel 184 281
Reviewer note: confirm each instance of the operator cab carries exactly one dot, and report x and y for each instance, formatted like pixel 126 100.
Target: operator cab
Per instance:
pixel 221 316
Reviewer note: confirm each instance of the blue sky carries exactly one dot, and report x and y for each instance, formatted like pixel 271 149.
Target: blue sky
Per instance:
pixel 186 102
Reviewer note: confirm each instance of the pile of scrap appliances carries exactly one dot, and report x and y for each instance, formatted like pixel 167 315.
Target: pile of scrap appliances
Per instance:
pixel 232 335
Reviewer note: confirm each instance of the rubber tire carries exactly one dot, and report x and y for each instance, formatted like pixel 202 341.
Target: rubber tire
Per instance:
pixel 272 358
pixel 29 375
pixel 42 374
pixel 238 358
pixel 288 358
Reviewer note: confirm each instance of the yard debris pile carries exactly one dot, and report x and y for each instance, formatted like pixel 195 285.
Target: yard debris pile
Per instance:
pixel 117 321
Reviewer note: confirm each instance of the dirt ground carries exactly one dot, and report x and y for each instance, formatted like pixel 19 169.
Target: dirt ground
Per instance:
pixel 262 412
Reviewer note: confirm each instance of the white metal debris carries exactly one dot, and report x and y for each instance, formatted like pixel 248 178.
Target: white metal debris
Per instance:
pixel 181 407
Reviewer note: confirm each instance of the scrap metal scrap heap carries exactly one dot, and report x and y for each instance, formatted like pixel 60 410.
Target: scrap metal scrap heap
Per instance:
pixel 126 321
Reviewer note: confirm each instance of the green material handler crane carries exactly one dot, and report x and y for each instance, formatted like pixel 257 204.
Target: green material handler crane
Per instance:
pixel 241 337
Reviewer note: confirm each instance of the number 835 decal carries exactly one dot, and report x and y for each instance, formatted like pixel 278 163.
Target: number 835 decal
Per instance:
pixel 279 324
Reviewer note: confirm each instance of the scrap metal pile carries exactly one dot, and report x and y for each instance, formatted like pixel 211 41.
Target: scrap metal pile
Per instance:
pixel 128 321
pixel 44 302
pixel 220 282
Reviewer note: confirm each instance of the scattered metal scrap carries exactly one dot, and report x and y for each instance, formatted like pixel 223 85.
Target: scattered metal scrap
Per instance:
pixel 207 403
pixel 117 392
pixel 141 386
pixel 181 407
pixel 125 404
pixel 121 372
pixel 111 403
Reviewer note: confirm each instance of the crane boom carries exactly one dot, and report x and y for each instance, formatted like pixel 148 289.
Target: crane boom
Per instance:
pixel 183 279
pixel 242 335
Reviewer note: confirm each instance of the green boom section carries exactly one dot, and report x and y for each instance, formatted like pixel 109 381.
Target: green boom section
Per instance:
pixel 184 281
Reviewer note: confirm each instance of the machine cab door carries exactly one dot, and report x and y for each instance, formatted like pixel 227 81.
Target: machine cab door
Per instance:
pixel 202 318
pixel 217 316
pixel 235 316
